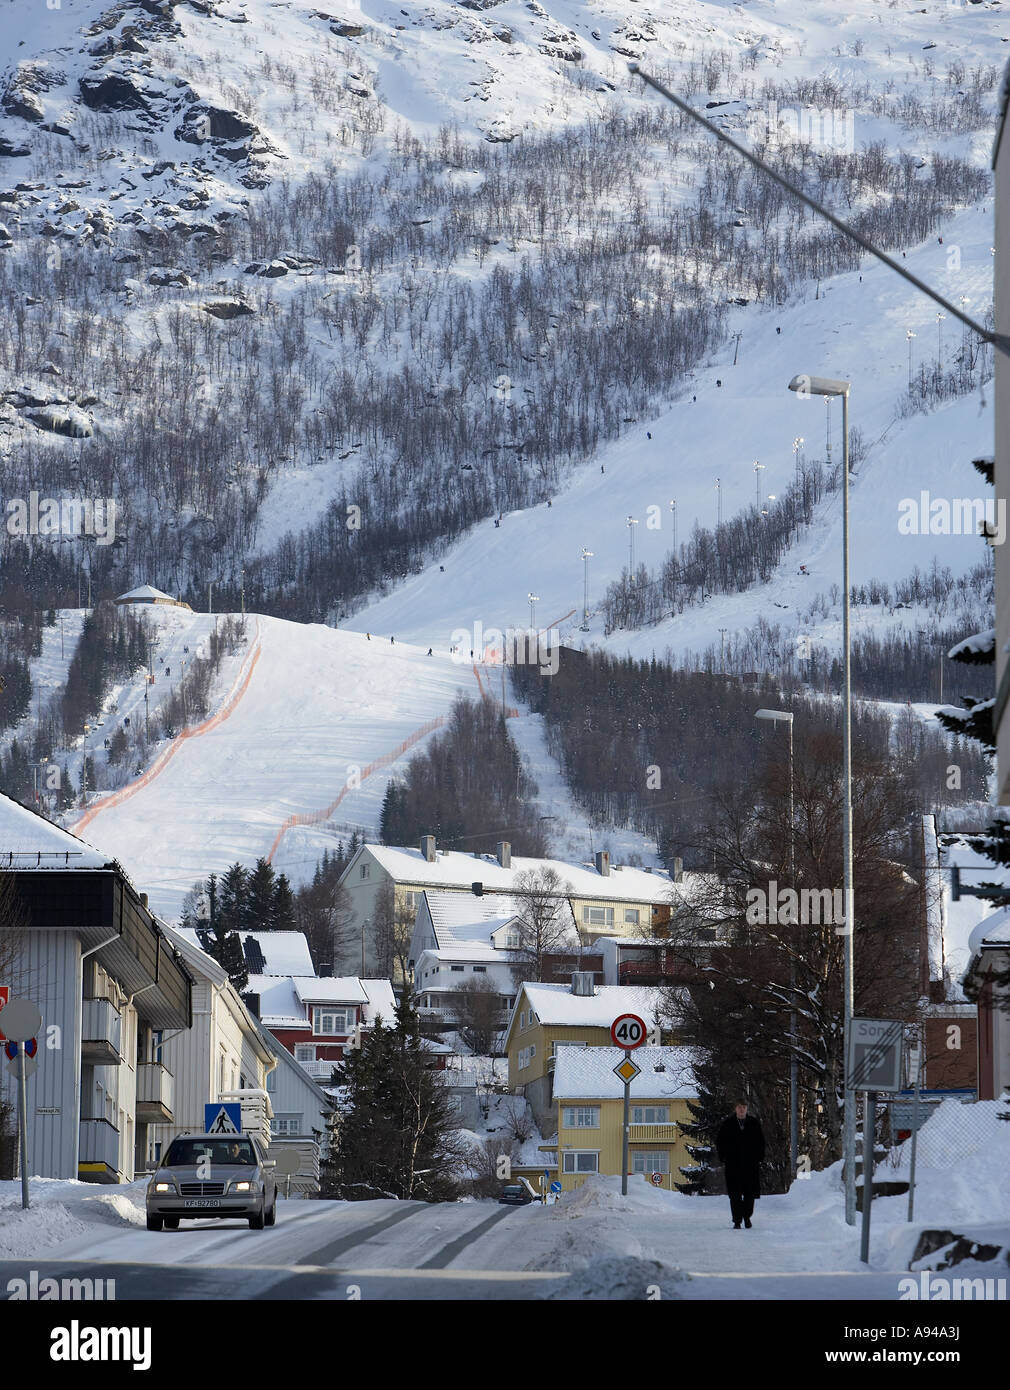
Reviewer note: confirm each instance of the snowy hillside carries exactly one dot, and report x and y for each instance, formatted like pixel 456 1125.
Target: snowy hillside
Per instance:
pixel 276 750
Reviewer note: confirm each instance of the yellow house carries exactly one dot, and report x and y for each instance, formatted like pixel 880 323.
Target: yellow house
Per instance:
pixel 606 899
pixel 589 1101
pixel 547 1019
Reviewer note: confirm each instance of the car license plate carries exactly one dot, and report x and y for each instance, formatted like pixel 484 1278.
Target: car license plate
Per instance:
pixel 202 1202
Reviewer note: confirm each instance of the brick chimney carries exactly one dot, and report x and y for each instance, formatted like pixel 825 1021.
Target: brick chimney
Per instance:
pixel 428 848
pixel 583 984
pixel 603 863
pixel 503 853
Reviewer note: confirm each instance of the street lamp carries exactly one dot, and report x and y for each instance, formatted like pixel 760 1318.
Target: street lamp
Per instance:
pixel 757 484
pixel 534 600
pixel 587 555
pixel 779 716
pixel 829 387
pixel 797 446
pixel 632 523
pixel 909 336
pixel 673 509
pixel 718 501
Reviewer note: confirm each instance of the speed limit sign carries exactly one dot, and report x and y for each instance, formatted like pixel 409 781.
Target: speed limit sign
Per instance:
pixel 628 1031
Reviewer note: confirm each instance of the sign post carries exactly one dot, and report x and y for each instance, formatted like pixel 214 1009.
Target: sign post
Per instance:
pixel 873 1064
pixel 21 1023
pixel 627 1031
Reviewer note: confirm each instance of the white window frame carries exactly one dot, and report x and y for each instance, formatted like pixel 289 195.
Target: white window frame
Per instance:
pixel 632 915
pixel 326 1011
pixel 364 871
pixel 598 916
pixel 640 1110
pixel 642 1161
pixel 301 1049
pixel 575 1117
pixel 575 1155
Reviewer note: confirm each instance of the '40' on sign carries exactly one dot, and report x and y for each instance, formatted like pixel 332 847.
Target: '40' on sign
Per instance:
pixel 628 1031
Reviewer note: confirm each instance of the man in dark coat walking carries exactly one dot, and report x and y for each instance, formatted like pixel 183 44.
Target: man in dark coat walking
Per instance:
pixel 740 1145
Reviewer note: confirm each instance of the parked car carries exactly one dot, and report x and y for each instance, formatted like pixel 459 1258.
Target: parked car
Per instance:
pixel 514 1194
pixel 201 1177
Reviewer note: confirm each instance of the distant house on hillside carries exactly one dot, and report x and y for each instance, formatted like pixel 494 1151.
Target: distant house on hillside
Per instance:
pixel 316 1019
pixel 606 899
pixel 146 593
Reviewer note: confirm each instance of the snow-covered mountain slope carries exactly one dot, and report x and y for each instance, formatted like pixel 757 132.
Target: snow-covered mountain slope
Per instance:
pixel 214 328
pixel 315 721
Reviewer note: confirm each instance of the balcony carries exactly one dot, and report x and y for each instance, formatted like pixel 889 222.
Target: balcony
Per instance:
pixel 101 1033
pixel 155 1091
pixel 320 1071
pixel 99 1156
pixel 639 1133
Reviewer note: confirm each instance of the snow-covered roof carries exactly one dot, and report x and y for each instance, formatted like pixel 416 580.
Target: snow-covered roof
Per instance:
pixel 993 930
pixel 280 1006
pixel 459 917
pixel 587 1073
pixel 480 951
pixel 380 1001
pixel 282 952
pixel 556 1004
pixel 453 869
pixel 145 593
pixel 29 841
pixel 331 989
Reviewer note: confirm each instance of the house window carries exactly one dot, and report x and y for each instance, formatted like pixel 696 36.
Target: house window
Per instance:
pixel 365 871
pixel 585 1162
pixel 631 914
pixel 332 1020
pixel 658 1162
pixel 287 1124
pixel 650 1114
pixel 480 969
pixel 524 1057
pixel 156 1045
pixel 582 1117
pixel 533 1049
pixel 457 969
pixel 454 1104
pixel 512 941
pixel 271 1081
pixel 305 1052
pixel 598 916
pixel 412 899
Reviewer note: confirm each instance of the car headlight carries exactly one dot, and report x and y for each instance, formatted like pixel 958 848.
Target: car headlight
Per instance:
pixel 243 1187
pixel 164 1187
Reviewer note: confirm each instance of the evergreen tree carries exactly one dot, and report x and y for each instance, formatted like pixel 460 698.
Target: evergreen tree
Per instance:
pixel 224 921
pixel 258 898
pixel 393 1135
pixel 282 916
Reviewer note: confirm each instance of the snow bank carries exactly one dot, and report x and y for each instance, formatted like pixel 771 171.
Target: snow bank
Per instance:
pixel 62 1210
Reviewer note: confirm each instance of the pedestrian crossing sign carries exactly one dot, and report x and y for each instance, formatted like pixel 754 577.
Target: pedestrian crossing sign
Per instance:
pixel 222 1118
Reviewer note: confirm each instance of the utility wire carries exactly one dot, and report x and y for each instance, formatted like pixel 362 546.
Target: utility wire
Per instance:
pixel 998 340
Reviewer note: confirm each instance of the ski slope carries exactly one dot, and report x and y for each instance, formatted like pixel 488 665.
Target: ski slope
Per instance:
pixel 323 719
pixel 855 330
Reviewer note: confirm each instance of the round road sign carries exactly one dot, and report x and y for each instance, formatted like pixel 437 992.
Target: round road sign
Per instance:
pixel 656 1179
pixel 20 1020
pixel 628 1031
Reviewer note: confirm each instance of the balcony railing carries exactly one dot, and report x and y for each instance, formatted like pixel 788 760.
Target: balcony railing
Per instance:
pixel 667 1132
pixel 101 1033
pixel 99 1149
pixel 319 1070
pixel 155 1092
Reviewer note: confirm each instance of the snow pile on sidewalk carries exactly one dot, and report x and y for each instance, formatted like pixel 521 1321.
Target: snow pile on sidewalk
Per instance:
pixel 61 1210
pixel 604 1240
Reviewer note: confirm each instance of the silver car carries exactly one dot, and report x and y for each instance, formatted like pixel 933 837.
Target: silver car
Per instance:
pixel 202 1177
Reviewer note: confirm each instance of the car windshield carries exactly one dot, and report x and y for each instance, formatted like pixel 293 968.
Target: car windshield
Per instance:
pixel 184 1153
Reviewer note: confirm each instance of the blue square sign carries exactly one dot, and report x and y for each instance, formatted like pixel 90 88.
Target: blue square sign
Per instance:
pixel 223 1117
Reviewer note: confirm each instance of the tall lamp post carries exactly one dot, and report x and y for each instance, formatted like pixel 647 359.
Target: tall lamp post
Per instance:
pixel 632 523
pixel 829 387
pixel 587 555
pixel 534 600
pixel 757 484
pixel 781 716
